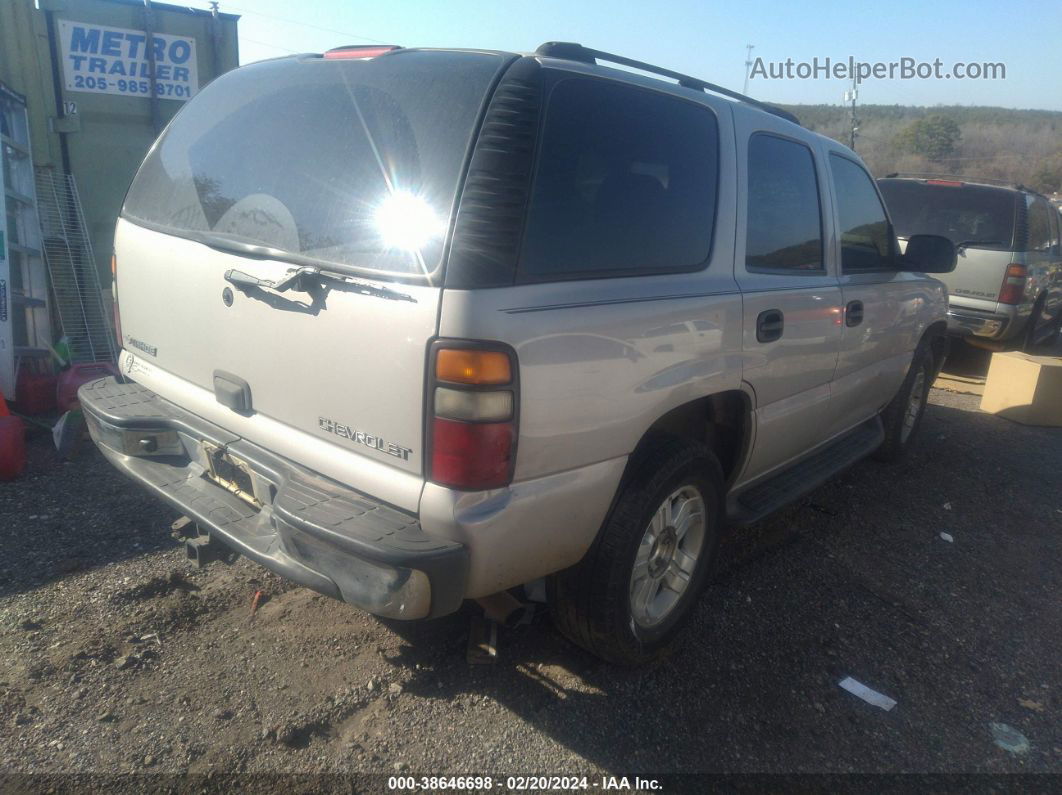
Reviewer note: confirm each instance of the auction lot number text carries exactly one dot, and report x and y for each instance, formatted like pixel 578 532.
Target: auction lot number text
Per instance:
pixel 520 783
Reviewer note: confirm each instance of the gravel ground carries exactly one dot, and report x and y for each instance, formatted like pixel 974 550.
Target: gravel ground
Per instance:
pixel 117 655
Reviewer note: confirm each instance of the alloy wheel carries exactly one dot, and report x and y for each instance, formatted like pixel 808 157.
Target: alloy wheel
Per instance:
pixel 667 556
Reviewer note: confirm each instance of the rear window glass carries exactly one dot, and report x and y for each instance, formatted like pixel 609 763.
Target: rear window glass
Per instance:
pixel 351 162
pixel 963 214
pixel 625 184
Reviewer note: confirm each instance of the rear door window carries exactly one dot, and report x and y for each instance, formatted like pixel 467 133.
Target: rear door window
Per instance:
pixel 784 227
pixel 866 242
pixel 625 184
pixel 348 162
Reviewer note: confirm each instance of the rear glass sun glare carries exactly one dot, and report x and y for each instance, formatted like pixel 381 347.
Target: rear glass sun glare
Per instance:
pixel 406 221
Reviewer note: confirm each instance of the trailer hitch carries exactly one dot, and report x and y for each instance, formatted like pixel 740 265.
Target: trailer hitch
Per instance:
pixel 203 549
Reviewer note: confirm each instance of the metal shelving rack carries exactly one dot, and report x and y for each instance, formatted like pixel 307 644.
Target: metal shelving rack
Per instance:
pixel 75 280
pixel 25 325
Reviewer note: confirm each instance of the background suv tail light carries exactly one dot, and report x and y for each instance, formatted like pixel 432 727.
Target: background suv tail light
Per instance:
pixel 1013 288
pixel 473 414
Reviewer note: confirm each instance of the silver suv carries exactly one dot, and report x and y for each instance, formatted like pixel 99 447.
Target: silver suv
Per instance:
pixel 416 326
pixel 1007 288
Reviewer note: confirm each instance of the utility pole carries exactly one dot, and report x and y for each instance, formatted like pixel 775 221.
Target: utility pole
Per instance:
pixel 850 96
pixel 149 33
pixel 215 36
pixel 748 65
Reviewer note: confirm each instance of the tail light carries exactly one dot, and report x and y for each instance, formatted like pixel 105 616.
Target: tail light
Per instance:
pixel 359 51
pixel 114 300
pixel 473 410
pixel 1013 289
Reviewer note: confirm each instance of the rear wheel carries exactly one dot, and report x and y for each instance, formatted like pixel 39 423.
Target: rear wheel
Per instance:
pixel 628 599
pixel 1056 331
pixel 1042 329
pixel 903 416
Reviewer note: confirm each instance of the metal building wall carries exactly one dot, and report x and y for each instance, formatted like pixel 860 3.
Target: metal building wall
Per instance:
pixel 26 69
pixel 106 135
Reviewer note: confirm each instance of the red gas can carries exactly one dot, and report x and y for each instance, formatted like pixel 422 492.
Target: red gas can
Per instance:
pixel 35 393
pixel 78 374
pixel 12 448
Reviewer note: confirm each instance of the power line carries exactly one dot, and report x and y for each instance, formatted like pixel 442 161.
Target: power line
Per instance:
pixel 267 44
pixel 290 21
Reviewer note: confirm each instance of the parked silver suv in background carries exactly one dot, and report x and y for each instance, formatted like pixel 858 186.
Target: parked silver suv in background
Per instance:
pixel 1006 290
pixel 418 326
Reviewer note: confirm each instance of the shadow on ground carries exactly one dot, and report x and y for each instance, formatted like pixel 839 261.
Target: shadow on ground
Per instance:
pixel 97 517
pixel 854 581
pixel 969 362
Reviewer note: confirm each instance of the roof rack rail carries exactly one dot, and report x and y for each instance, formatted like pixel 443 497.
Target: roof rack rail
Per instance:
pixel 571 51
pixel 999 183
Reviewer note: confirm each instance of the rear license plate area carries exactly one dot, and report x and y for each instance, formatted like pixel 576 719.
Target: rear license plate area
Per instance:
pixel 232 474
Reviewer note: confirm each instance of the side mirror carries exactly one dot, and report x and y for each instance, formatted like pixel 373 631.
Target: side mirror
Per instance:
pixel 929 254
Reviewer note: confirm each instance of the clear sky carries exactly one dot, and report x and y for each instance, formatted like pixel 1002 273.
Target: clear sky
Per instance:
pixel 707 39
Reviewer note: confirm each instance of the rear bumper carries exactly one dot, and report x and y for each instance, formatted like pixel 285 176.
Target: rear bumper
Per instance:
pixel 964 322
pixel 308 529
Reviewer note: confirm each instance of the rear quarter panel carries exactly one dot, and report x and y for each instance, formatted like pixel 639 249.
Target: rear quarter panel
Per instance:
pixel 601 361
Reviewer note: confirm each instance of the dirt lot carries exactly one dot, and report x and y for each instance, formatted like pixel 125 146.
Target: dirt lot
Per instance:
pixel 116 655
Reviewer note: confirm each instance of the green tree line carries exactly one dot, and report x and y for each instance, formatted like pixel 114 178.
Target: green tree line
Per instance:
pixel 1019 146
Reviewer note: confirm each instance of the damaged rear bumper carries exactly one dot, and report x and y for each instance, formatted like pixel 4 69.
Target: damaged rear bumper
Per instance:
pixel 294 522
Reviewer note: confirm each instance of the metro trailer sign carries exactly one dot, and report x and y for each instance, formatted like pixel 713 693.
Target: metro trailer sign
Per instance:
pixel 102 60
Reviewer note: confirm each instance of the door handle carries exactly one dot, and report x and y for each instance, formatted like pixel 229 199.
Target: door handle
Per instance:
pixel 853 313
pixel 769 325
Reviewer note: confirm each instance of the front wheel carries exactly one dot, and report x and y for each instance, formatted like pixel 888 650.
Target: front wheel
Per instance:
pixel 903 416
pixel 628 599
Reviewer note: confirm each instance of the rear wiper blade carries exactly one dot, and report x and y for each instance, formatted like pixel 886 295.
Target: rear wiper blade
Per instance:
pixel 224 243
pixel 968 243
pixel 363 287
pixel 307 279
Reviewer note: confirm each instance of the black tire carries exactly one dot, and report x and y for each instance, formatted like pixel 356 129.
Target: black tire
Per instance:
pixel 1029 344
pixel 591 602
pixel 1056 331
pixel 899 437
